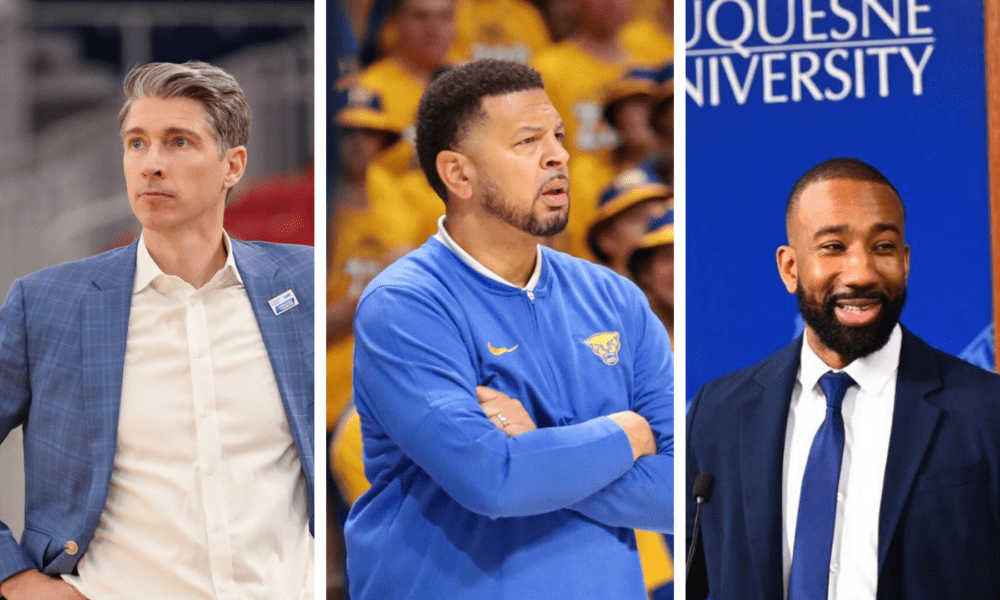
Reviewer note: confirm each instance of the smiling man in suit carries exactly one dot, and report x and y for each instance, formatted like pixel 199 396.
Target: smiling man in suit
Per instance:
pixel 165 388
pixel 858 462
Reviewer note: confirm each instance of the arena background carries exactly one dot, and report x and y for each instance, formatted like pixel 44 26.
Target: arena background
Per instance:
pixel 62 192
pixel 920 118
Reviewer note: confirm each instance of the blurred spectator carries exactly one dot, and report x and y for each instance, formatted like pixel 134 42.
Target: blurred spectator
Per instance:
pixel 562 17
pixel 362 238
pixel 627 109
pixel 423 32
pixel 375 15
pixel 413 205
pixel 623 213
pixel 649 38
pixel 504 29
pixel 358 14
pixel 342 56
pixel 661 121
pixel 652 267
pixel 577 73
pixel 378 216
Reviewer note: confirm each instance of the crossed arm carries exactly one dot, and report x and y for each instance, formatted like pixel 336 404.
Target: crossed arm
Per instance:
pixel 413 379
pixel 515 420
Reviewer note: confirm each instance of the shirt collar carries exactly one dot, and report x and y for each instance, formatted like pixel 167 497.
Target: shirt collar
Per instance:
pixel 870 372
pixel 443 237
pixel 146 269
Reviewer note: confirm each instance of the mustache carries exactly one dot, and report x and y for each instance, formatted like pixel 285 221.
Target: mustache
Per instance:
pixel 557 176
pixel 866 294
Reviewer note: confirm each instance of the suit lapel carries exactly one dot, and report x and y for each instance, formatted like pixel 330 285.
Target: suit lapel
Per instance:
pixel 764 416
pixel 104 332
pixel 286 337
pixel 914 420
pixel 262 279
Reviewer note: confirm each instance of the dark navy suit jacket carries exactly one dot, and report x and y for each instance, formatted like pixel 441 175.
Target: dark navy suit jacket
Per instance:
pixel 63 332
pixel 939 523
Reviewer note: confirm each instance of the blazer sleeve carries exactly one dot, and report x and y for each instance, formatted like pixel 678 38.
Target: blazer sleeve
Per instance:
pixel 413 379
pixel 15 400
pixel 643 497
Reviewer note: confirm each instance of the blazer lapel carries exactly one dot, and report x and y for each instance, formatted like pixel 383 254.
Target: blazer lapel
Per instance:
pixel 282 333
pixel 287 337
pixel 104 333
pixel 762 445
pixel 914 420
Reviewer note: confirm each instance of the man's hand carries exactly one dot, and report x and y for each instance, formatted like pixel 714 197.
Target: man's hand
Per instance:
pixel 638 431
pixel 505 412
pixel 35 585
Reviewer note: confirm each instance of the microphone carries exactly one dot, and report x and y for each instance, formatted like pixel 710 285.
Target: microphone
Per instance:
pixel 704 483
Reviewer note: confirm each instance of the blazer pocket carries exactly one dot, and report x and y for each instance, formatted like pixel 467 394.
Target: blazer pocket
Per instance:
pixel 941 479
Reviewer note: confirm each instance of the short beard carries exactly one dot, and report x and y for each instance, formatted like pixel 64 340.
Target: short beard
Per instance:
pixel 851 342
pixel 527 221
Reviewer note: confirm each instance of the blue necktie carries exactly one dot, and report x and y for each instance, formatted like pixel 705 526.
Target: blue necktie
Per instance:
pixel 818 501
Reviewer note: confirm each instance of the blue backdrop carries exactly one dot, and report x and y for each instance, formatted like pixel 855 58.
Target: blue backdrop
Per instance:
pixel 897 83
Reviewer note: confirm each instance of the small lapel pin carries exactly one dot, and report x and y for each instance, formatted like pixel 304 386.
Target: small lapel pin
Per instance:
pixel 283 302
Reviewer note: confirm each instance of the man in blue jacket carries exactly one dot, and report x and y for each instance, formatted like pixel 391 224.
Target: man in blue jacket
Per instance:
pixel 166 388
pixel 515 402
pixel 858 462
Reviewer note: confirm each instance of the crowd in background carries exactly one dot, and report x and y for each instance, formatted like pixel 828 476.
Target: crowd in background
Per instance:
pixel 607 67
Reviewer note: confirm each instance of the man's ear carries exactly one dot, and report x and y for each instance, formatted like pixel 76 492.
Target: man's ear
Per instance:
pixel 236 163
pixel 456 171
pixel 906 262
pixel 788 268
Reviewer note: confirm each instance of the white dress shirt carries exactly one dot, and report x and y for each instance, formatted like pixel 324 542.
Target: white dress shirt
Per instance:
pixel 207 498
pixel 867 411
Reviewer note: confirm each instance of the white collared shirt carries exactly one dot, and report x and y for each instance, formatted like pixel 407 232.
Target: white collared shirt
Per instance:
pixel 443 237
pixel 867 410
pixel 207 497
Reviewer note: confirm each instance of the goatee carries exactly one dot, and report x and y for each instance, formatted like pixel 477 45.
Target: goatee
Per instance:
pixel 527 221
pixel 852 341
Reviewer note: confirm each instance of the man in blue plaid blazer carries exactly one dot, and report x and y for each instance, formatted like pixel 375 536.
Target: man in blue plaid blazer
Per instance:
pixel 68 346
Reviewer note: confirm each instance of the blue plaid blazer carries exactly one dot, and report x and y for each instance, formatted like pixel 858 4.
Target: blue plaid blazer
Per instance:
pixel 62 352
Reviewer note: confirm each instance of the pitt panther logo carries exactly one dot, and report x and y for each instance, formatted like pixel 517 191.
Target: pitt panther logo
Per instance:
pixel 606 345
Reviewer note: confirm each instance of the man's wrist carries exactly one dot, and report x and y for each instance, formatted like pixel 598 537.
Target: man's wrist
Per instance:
pixel 640 436
pixel 9 586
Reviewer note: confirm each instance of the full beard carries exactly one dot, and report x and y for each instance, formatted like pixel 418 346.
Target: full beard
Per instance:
pixel 527 221
pixel 849 341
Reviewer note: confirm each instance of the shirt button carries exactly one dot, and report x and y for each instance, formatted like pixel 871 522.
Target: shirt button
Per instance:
pixel 217 528
pixel 531 295
pixel 71 548
pixel 834 567
pixel 204 412
pixel 209 471
pixel 840 497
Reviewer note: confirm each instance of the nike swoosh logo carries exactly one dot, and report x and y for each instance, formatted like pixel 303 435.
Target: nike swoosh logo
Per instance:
pixel 499 351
